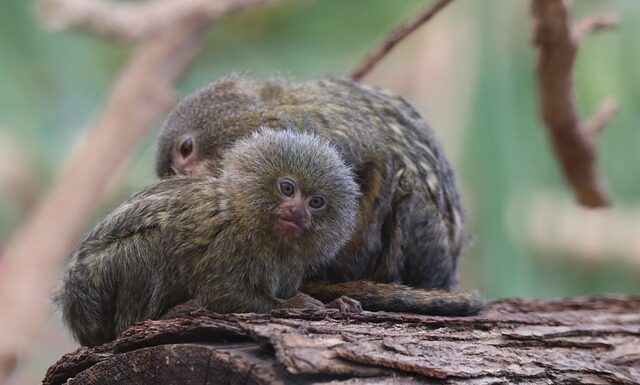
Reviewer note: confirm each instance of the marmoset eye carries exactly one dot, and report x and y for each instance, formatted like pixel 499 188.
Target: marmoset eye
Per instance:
pixel 286 188
pixel 186 147
pixel 317 202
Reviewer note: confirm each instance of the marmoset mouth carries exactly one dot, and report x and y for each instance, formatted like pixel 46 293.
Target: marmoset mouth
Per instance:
pixel 290 227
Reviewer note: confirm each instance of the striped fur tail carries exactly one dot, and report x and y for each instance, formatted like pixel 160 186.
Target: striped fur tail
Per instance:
pixel 399 298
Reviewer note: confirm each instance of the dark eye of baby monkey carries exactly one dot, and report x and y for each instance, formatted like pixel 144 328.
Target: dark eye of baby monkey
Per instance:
pixel 286 187
pixel 185 147
pixel 317 202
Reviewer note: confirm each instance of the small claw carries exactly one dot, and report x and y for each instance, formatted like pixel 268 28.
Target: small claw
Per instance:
pixel 345 304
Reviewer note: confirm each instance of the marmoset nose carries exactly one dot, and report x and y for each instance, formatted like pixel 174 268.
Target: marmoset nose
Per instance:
pixel 298 214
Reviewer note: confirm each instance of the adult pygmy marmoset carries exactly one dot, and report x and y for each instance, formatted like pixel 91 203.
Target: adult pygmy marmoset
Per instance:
pixel 283 204
pixel 409 226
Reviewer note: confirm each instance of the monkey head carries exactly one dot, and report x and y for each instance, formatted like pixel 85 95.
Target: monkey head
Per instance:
pixel 207 122
pixel 293 188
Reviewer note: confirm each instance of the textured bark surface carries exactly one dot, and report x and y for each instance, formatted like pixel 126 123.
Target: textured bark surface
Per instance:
pixel 583 340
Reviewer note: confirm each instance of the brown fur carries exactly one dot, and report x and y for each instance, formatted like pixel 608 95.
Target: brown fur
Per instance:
pixel 410 222
pixel 212 240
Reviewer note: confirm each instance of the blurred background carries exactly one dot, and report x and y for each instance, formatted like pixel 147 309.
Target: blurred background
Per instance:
pixel 470 71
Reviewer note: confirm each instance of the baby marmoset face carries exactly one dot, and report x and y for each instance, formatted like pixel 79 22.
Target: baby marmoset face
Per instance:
pixel 297 208
pixel 291 187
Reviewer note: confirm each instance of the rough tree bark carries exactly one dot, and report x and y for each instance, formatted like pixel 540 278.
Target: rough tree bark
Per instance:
pixel 583 340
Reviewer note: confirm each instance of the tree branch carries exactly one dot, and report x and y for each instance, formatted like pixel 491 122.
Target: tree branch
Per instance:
pixel 601 117
pixel 132 21
pixel 396 36
pixel 568 341
pixel 593 24
pixel 579 236
pixel 557 44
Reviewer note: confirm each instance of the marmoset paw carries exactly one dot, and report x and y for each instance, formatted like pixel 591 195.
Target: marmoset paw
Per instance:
pixel 345 305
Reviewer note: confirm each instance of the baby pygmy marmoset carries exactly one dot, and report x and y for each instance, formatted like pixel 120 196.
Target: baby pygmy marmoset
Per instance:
pixel 409 227
pixel 284 203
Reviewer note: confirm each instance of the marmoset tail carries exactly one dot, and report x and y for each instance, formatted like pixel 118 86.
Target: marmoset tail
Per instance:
pixel 398 298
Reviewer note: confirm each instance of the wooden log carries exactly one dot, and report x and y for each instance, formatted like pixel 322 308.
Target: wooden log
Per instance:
pixel 593 340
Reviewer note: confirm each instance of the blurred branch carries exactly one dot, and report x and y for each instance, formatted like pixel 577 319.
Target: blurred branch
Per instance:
pixel 396 36
pixel 131 21
pixel 573 141
pixel 141 95
pixel 18 171
pixel 593 24
pixel 601 117
pixel 554 225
